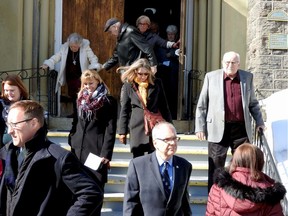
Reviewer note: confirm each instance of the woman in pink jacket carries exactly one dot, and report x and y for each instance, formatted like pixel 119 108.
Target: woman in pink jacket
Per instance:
pixel 244 189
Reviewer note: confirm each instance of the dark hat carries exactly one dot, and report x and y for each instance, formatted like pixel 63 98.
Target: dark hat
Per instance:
pixel 109 23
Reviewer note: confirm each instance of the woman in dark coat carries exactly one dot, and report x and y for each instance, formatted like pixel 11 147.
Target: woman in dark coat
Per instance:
pixel 131 118
pixel 12 90
pixel 96 126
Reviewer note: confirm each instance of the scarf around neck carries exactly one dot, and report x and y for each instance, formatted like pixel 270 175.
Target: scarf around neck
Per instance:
pixel 89 102
pixel 143 89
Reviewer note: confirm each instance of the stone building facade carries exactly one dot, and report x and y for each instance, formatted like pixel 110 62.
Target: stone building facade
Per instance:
pixel 267 51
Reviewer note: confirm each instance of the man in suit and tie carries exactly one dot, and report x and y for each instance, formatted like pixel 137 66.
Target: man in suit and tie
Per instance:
pixel 157 183
pixel 223 114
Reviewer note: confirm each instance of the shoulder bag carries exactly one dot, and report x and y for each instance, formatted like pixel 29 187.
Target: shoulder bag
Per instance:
pixel 150 118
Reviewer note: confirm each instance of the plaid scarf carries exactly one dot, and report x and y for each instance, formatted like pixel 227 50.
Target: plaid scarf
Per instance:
pixel 89 103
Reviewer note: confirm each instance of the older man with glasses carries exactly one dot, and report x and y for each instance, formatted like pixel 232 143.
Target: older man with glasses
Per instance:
pixel 223 113
pixel 157 183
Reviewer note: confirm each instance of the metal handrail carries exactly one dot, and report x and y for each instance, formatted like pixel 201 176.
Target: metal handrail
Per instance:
pixel 270 167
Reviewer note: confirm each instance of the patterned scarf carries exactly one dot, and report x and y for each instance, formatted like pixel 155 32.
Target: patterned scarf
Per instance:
pixel 142 87
pixel 89 103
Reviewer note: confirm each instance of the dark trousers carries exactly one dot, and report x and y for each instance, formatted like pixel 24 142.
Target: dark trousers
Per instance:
pixel 142 148
pixel 138 153
pixel 98 211
pixel 234 135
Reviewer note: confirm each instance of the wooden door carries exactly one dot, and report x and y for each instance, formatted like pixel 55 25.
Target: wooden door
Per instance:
pixel 88 17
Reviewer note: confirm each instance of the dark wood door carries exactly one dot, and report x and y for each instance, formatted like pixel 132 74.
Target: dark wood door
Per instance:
pixel 88 17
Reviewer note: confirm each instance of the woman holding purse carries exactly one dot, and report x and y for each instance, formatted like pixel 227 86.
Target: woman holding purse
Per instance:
pixel 139 81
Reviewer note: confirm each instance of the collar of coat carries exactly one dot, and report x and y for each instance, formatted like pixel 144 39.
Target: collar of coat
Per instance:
pixel 270 195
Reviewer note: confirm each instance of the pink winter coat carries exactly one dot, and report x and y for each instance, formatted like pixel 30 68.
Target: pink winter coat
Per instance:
pixel 239 195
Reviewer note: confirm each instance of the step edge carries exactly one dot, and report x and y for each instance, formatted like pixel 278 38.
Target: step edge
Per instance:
pixel 192 182
pixel 179 151
pixel 118 197
pixel 125 164
pixel 54 133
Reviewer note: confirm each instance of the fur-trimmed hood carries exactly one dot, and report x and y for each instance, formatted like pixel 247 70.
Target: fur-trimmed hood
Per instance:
pixel 243 198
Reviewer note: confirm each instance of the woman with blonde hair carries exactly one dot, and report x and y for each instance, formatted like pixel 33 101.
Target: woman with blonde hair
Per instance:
pixel 96 126
pixel 139 76
pixel 243 189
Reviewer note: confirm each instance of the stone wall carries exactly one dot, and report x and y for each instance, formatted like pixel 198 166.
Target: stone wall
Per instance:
pixel 269 66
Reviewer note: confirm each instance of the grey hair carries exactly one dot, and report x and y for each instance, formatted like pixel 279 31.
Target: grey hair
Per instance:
pixel 144 18
pixel 75 38
pixel 172 29
pixel 232 53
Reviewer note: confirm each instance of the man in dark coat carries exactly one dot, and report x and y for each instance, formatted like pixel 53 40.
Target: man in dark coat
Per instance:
pixel 145 193
pixel 42 178
pixel 130 46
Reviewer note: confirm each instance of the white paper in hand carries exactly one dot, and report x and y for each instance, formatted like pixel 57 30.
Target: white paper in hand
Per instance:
pixel 93 161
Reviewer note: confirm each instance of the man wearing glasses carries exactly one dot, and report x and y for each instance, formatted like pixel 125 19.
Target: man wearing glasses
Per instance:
pixel 42 178
pixel 223 113
pixel 157 183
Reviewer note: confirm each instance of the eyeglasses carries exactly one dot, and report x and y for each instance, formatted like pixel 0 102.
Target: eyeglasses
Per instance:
pixel 231 62
pixel 169 140
pixel 14 124
pixel 142 74
pixel 143 24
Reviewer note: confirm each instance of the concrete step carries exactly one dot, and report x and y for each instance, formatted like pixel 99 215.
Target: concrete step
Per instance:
pixel 115 201
pixel 63 123
pixel 111 212
pixel 193 153
pixel 189 147
pixel 120 166
pixel 197 185
pixel 61 137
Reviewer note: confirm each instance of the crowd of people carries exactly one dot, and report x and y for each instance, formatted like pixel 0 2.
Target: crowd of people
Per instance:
pixel 39 177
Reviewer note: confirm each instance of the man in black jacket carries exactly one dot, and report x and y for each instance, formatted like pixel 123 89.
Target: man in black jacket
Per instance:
pixel 130 46
pixel 42 178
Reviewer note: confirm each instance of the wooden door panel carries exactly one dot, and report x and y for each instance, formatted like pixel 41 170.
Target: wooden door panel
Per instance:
pixel 88 17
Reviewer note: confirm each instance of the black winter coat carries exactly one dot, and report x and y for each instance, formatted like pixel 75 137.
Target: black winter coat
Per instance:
pixel 155 40
pixel 130 44
pixel 4 106
pixel 52 182
pixel 131 115
pixel 97 136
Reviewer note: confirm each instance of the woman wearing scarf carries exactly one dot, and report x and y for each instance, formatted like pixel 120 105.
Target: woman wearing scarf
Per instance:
pixel 139 75
pixel 96 126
